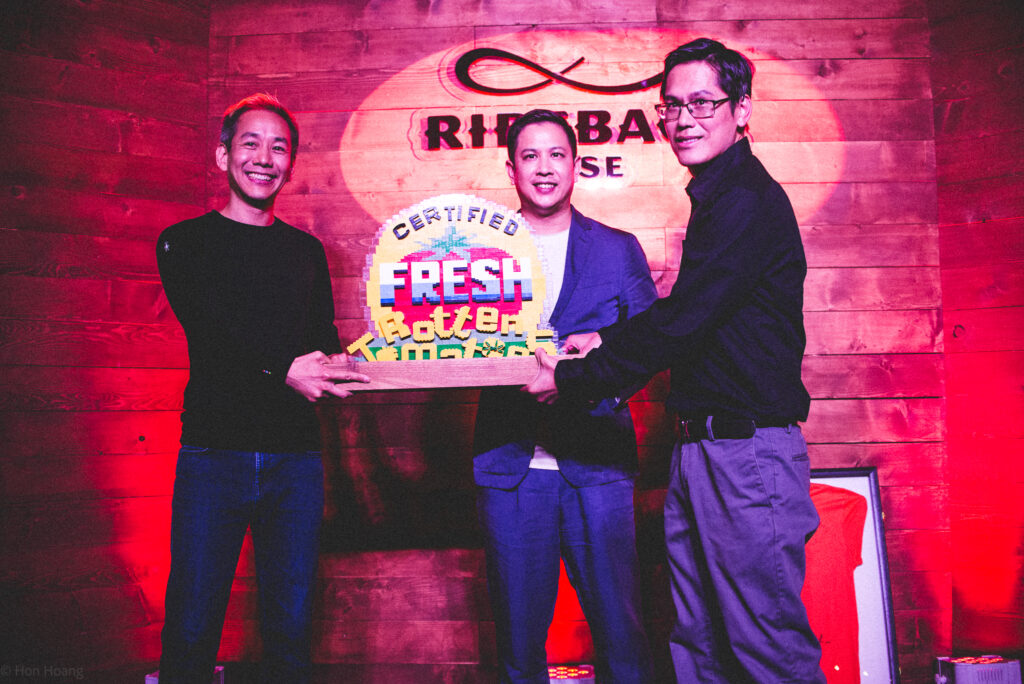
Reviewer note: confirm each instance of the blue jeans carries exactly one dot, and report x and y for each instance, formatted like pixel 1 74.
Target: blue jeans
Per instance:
pixel 737 515
pixel 528 530
pixel 218 494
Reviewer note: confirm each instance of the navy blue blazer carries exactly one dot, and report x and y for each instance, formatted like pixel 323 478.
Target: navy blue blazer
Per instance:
pixel 606 280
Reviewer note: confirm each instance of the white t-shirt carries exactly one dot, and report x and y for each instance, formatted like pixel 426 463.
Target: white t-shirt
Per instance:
pixel 555 248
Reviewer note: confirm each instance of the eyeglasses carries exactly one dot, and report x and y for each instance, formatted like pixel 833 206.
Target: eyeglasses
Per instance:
pixel 699 108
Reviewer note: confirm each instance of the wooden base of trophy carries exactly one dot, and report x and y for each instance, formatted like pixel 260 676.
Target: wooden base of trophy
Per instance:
pixel 444 373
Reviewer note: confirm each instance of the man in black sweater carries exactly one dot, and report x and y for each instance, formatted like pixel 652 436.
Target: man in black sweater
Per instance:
pixel 738 508
pixel 253 295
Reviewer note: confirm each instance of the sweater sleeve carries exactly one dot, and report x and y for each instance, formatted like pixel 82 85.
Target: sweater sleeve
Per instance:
pixel 719 268
pixel 214 340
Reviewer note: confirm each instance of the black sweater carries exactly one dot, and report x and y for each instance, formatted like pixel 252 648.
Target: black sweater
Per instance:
pixel 732 328
pixel 251 299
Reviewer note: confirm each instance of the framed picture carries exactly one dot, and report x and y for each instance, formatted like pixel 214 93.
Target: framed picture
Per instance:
pixel 847 591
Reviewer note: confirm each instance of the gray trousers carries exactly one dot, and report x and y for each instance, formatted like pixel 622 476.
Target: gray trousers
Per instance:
pixel 737 515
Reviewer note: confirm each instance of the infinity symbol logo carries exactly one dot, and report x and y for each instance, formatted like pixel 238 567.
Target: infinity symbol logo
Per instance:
pixel 470 58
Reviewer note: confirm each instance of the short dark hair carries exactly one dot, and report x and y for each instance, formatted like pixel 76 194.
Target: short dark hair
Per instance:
pixel 535 116
pixel 735 72
pixel 232 114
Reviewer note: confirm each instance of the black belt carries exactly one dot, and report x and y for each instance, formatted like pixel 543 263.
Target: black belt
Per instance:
pixel 710 427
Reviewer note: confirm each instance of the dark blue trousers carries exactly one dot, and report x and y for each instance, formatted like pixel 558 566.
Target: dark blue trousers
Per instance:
pixel 737 515
pixel 528 530
pixel 217 496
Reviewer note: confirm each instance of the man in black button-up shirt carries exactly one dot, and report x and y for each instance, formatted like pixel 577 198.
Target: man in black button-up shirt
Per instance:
pixel 738 508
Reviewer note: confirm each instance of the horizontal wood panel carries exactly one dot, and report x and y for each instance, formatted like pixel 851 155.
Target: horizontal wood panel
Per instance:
pixel 974 459
pixel 36 207
pixel 985 374
pixel 987 415
pixel 138 563
pixel 875 420
pixel 305 51
pixel 102 47
pixel 897 463
pixel 981 330
pixel 432 426
pixel 171 98
pixel 958 119
pixel 870 245
pixel 851 161
pixel 974 29
pixel 916 507
pixel 85 344
pixel 922 590
pixel 873 375
pixel 999 285
pixel 981 631
pixel 920 634
pixel 826 79
pixel 57 255
pixel 843 79
pixel 309 52
pixel 95 476
pixel 82 299
pixel 102 130
pixel 106 172
pixel 1002 542
pixel 977 74
pixel 393 598
pixel 750 9
pixel 235 19
pixel 232 18
pixel 872 332
pixel 981 201
pixel 405 641
pixel 864 203
pixel 85 523
pixel 918 550
pixel 91 432
pixel 464 563
pixel 180 21
pixel 75 388
pixel 878 289
pixel 980 157
pixel 978 245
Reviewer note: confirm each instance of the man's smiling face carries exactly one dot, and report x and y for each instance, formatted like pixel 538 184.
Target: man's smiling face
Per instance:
pixel 544 170
pixel 259 161
pixel 697 141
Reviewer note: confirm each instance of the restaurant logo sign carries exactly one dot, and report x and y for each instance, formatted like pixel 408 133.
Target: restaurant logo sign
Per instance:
pixel 440 125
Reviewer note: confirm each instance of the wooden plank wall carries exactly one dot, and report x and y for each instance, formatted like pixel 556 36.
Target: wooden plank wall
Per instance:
pixel 874 360
pixel 104 108
pixel 978 81
pixel 115 125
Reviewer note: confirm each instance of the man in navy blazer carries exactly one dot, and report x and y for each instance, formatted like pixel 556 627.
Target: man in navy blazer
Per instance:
pixel 556 482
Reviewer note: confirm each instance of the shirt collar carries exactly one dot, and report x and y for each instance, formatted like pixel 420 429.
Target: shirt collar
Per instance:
pixel 703 186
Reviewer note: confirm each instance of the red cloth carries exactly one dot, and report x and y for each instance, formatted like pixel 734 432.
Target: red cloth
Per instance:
pixel 833 553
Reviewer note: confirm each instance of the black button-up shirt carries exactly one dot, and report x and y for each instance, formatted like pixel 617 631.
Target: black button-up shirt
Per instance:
pixel 732 329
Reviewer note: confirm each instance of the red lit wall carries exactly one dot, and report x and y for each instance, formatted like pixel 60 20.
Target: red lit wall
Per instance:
pixel 910 203
pixel 977 75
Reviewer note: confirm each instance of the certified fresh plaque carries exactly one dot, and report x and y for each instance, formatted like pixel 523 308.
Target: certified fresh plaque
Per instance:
pixel 450 279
